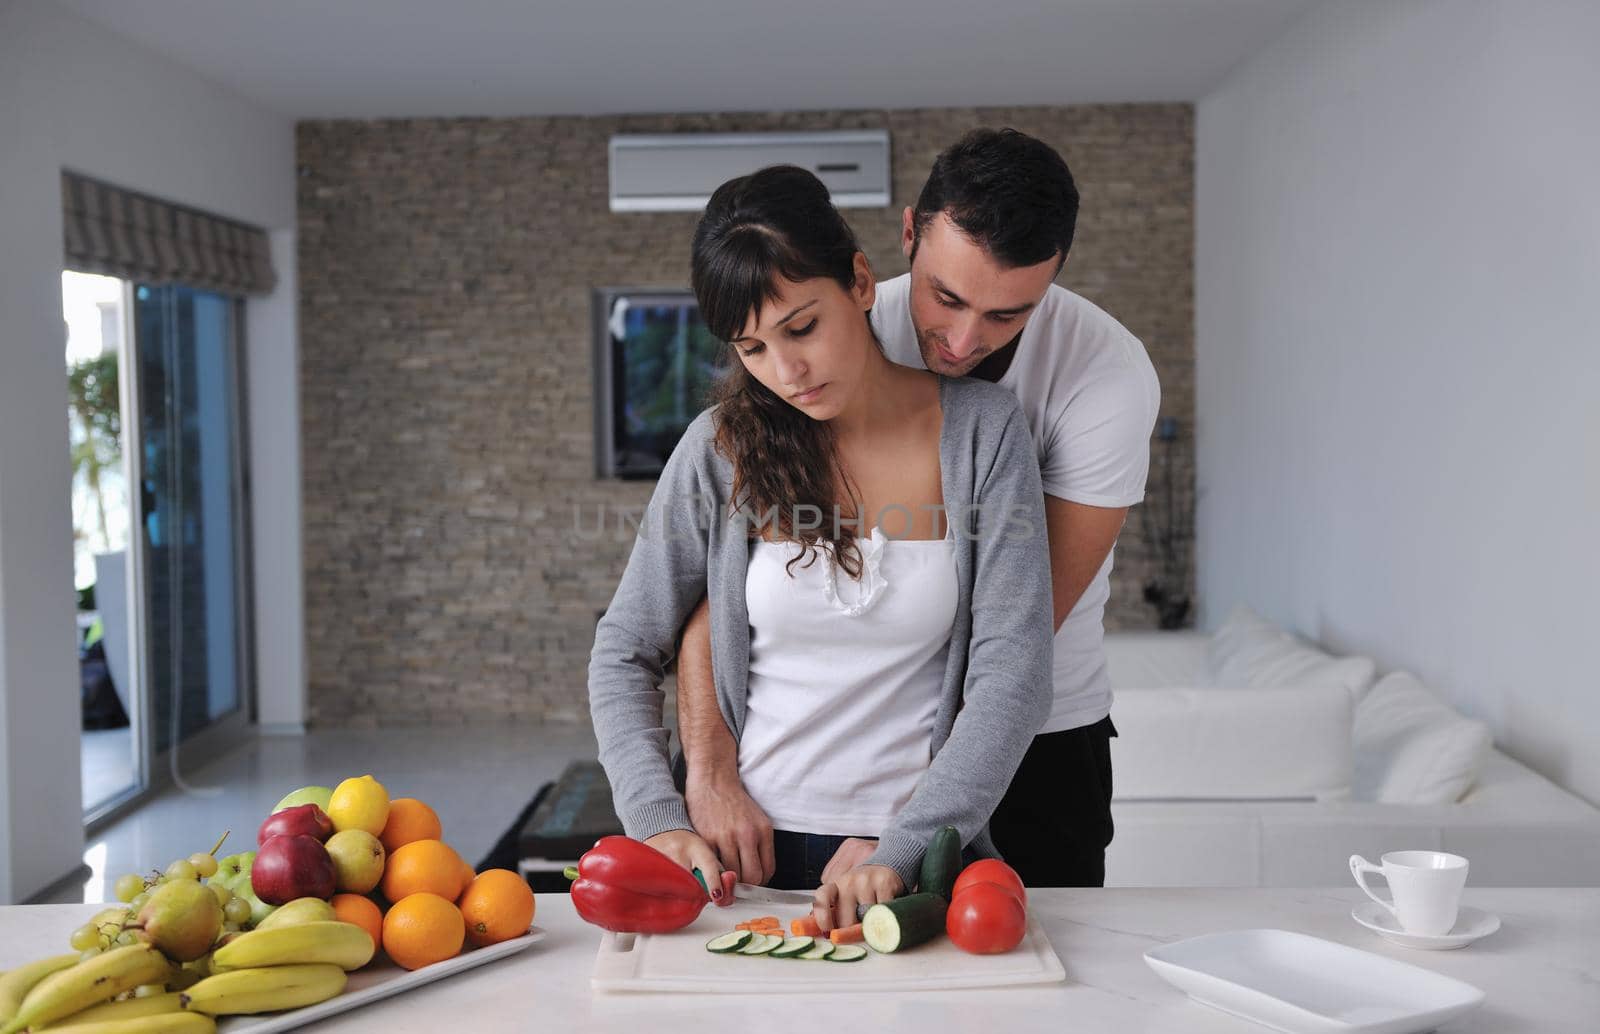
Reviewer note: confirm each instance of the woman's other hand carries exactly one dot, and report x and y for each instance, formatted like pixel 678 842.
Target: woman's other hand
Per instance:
pixel 836 901
pixel 685 847
pixel 853 852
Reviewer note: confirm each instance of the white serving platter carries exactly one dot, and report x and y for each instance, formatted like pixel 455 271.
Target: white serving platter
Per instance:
pixel 377 981
pixel 1305 985
pixel 679 962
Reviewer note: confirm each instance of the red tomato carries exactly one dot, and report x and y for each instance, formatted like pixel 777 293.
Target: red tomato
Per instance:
pixel 985 919
pixel 991 870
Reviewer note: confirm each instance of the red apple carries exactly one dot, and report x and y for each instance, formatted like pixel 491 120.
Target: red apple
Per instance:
pixel 292 867
pixel 305 820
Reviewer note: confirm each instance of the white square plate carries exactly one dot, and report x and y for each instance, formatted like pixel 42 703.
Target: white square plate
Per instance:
pixel 1305 985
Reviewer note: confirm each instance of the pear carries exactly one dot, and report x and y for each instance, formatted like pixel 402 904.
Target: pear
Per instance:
pixel 182 918
pixel 300 910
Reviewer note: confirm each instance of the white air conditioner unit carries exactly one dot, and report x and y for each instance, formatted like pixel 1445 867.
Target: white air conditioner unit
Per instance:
pixel 678 172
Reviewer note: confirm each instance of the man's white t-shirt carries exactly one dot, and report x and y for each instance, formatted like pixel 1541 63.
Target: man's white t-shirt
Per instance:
pixel 1091 397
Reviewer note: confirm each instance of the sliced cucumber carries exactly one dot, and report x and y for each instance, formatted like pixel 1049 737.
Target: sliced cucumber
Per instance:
pixel 819 950
pixel 761 947
pixel 904 922
pixel 847 953
pixel 729 942
pixel 793 946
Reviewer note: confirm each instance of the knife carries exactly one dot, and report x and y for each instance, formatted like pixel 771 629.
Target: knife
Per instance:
pixel 769 895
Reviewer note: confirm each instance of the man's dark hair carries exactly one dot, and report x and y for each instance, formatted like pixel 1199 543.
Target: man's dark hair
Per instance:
pixel 1007 191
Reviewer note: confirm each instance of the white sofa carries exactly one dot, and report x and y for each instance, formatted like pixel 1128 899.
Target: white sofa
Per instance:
pixel 1248 761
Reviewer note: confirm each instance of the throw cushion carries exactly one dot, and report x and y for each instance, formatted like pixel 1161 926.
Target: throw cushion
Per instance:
pixel 1232 744
pixel 1249 651
pixel 1413 748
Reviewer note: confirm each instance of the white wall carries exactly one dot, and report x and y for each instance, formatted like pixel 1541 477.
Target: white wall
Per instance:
pixel 272 372
pixel 1398 351
pixel 75 96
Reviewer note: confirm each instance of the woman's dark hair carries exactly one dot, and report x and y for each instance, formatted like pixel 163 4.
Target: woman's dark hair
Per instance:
pixel 772 224
pixel 1007 191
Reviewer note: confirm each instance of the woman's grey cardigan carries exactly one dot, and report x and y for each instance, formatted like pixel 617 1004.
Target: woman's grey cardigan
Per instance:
pixel 997 686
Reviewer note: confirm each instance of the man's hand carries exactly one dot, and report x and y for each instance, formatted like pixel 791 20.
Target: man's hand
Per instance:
pixel 686 848
pixel 835 902
pixel 733 824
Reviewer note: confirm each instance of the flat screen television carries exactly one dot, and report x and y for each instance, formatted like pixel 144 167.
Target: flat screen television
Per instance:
pixel 655 364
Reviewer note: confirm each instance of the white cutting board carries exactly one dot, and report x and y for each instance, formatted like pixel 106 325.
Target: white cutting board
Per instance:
pixel 679 962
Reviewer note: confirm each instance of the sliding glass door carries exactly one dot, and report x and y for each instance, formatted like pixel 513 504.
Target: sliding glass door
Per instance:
pixel 192 521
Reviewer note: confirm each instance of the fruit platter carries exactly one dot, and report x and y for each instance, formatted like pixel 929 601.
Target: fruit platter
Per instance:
pixel 349 896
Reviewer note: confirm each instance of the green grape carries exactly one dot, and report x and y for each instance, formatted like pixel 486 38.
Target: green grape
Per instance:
pixel 84 938
pixel 237 910
pixel 128 887
pixel 149 990
pixel 104 941
pixel 204 864
pixel 230 927
pixel 182 870
pixel 139 900
pixel 88 954
pixel 224 895
pixel 126 938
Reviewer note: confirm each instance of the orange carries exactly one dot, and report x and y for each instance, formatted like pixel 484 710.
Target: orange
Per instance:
pixel 409 820
pixel 422 929
pixel 423 866
pixel 362 911
pixel 497 907
pixel 467 876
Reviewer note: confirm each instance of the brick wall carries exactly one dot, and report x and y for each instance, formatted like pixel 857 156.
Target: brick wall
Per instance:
pixel 445 275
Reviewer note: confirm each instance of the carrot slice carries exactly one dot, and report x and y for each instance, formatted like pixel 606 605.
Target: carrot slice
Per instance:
pixel 805 926
pixel 846 934
pixel 767 920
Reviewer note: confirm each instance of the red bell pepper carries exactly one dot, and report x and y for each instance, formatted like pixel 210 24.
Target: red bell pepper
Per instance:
pixel 626 886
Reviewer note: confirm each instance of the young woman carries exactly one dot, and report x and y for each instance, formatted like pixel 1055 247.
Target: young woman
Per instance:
pixel 871 539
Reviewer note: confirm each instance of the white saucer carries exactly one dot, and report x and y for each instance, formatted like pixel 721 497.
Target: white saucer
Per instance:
pixel 1471 924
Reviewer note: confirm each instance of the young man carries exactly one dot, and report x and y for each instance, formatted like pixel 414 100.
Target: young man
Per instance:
pixel 990 232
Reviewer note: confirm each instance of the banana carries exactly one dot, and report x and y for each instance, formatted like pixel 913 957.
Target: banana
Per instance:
pixel 126 1009
pixel 264 989
pixel 343 944
pixel 164 1023
pixel 90 982
pixel 16 983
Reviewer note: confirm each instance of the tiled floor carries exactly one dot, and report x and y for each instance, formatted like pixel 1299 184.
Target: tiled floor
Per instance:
pixel 476 777
pixel 107 764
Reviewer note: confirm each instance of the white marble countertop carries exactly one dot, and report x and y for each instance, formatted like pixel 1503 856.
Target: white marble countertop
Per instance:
pixel 1541 971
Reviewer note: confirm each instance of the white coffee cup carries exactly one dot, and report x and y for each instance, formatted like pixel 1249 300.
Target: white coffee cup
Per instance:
pixel 1426 886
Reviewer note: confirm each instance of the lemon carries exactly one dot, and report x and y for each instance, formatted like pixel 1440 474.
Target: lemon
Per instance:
pixel 359 803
